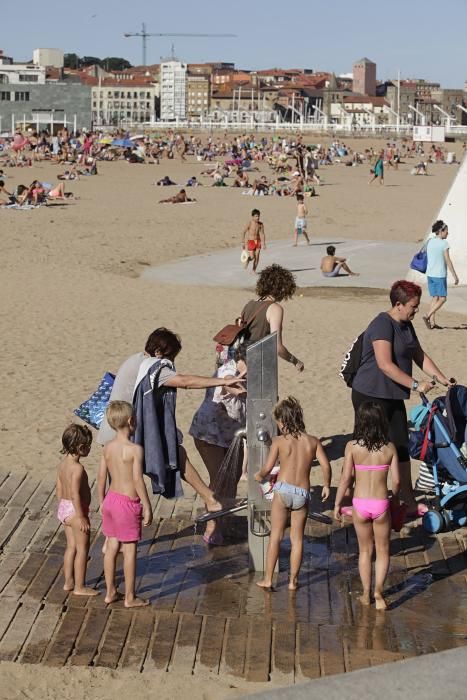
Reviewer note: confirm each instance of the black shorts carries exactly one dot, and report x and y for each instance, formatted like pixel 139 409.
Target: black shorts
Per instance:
pixel 396 414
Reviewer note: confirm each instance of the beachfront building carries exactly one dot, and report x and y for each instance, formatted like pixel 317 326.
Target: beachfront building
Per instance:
pixel 119 102
pixel 12 73
pixel 52 58
pixel 173 86
pixel 363 112
pixel 364 77
pixel 198 95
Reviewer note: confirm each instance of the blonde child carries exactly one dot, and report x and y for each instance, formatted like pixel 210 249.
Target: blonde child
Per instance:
pixel 369 457
pixel 295 451
pixel 125 504
pixel 74 497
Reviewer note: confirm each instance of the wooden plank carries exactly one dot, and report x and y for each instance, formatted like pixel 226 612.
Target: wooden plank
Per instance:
pixel 283 652
pixel 236 634
pixel 163 640
pixel 40 635
pixel 308 661
pixel 211 643
pixel 258 656
pixel 45 533
pixel 331 650
pixel 90 636
pixel 65 638
pixel 114 640
pixel 42 496
pixel 9 564
pixel 186 644
pixel 24 575
pixel 42 583
pixel 139 639
pixel 24 493
pixel 14 638
pixel 7 612
pixel 9 523
pixel 25 533
pixel 8 488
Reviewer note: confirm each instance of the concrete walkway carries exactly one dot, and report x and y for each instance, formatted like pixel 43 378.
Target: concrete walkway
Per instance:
pixel 431 677
pixel 379 263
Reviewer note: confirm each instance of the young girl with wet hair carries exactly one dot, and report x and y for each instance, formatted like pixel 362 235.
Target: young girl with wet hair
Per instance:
pixel 295 451
pixel 369 458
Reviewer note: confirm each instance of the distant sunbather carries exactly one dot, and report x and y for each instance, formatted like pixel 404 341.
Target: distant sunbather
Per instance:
pixel 179 198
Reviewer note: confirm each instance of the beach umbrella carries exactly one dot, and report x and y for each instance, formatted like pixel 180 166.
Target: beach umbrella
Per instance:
pixel 106 140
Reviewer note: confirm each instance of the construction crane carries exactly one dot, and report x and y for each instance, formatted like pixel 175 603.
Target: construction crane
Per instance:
pixel 144 36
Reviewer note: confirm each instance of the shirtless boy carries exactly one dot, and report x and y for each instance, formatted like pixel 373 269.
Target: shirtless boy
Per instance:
pixel 74 497
pixel 125 504
pixel 300 220
pixel 253 239
pixel 331 265
pixel 295 450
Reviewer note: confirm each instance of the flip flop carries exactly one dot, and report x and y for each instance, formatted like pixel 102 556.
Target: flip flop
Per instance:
pixel 427 323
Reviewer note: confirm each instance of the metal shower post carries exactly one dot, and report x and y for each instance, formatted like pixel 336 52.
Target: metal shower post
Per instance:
pixel 261 398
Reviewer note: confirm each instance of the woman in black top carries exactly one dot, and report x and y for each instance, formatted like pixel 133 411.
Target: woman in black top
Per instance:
pixel 390 346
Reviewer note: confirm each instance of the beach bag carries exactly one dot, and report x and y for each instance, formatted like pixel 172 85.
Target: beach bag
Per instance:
pixel 235 332
pixel 352 360
pixel 420 261
pixel 93 409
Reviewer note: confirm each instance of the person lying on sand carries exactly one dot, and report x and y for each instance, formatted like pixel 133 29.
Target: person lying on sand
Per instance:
pixel 180 198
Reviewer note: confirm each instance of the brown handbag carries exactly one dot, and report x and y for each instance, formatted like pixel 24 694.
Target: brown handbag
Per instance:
pixel 230 333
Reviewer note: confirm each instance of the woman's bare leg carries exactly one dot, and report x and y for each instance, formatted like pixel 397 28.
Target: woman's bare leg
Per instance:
pixel 212 456
pixel 191 476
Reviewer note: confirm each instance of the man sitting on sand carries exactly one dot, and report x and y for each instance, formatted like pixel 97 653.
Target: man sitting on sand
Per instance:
pixel 180 198
pixel 331 265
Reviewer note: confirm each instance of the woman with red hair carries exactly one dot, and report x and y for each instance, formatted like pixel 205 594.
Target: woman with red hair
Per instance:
pixel 390 347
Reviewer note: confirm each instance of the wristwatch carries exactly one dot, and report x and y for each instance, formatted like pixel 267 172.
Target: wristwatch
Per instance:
pixel 414 386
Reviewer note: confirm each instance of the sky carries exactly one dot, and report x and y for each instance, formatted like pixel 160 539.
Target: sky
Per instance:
pixel 421 38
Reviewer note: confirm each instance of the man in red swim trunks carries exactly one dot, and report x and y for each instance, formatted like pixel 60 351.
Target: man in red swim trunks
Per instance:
pixel 253 239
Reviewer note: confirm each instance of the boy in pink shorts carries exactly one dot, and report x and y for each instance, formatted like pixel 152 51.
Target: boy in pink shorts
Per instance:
pixel 125 504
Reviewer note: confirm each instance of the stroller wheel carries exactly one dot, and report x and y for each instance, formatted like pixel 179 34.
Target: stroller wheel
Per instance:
pixel 433 522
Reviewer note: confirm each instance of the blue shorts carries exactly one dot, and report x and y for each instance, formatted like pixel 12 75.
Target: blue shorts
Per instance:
pixel 293 497
pixel 437 287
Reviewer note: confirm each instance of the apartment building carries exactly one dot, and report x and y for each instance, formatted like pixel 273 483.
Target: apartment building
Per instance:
pixel 198 95
pixel 173 89
pixel 115 102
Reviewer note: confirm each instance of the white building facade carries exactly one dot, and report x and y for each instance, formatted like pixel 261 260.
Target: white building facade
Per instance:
pixel 20 73
pixel 173 76
pixel 123 101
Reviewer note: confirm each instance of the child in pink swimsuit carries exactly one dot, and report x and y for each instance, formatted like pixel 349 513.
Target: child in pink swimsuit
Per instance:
pixel 74 498
pixel 125 504
pixel 368 460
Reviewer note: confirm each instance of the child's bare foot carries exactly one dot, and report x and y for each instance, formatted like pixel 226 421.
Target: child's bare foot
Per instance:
pixel 380 603
pixel 113 597
pixel 244 477
pixel 293 584
pixel 136 603
pixel 364 599
pixel 264 584
pixel 69 585
pixel 85 591
pixel 213 505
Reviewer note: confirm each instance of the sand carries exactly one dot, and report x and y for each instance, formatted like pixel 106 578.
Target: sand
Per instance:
pixel 74 307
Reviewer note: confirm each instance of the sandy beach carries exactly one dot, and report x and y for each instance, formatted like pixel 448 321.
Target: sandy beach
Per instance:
pixel 74 306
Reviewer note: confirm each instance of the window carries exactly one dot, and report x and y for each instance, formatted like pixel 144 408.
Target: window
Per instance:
pixel 21 96
pixel 5 96
pixel 24 78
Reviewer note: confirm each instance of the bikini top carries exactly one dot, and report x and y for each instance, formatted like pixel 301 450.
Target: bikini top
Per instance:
pixel 371 467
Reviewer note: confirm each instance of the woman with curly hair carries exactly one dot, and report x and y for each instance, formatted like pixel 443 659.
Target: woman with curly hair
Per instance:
pixel 369 457
pixel 275 284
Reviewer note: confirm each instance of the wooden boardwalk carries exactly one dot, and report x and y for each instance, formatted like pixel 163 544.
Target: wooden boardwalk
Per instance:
pixel 206 613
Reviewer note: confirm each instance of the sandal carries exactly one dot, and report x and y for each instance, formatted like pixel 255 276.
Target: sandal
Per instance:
pixel 427 323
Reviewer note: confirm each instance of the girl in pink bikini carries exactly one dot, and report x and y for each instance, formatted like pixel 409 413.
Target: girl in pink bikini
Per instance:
pixel 369 457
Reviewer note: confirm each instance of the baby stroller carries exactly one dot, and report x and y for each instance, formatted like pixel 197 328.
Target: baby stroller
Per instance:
pixel 446 433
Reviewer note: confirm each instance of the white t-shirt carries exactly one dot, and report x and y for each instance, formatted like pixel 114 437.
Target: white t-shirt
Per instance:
pixel 436 261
